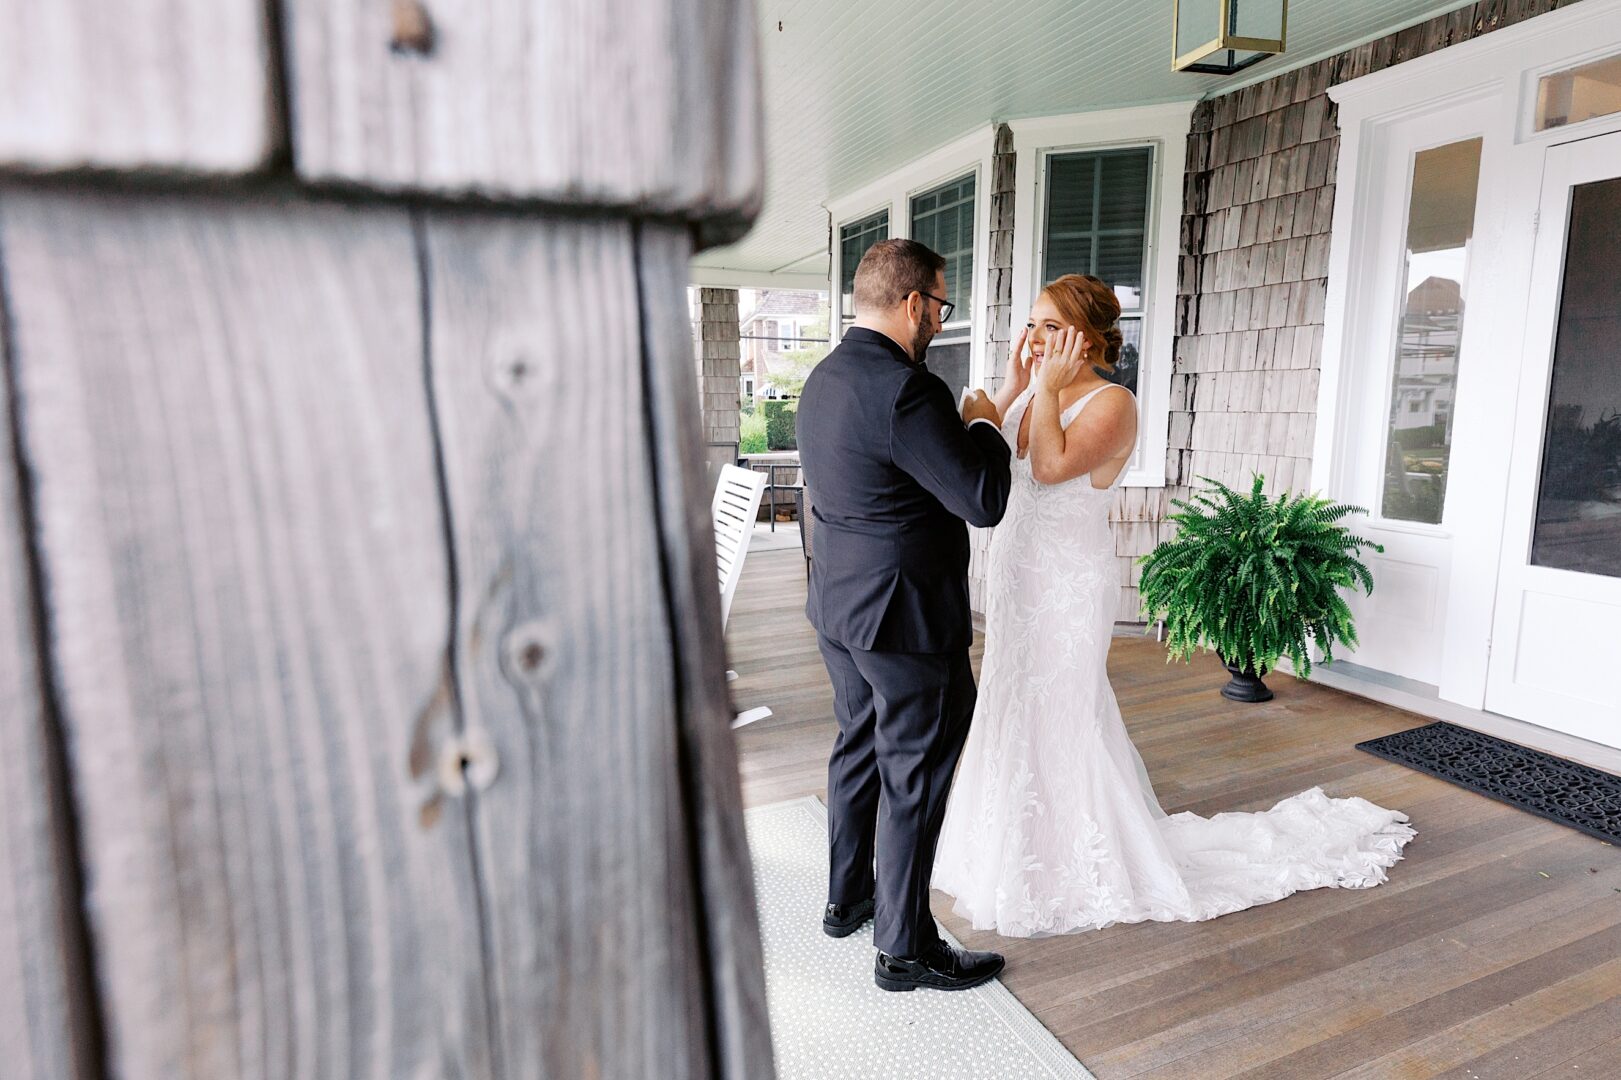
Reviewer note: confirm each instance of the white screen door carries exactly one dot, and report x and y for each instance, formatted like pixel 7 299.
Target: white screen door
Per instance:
pixel 1556 651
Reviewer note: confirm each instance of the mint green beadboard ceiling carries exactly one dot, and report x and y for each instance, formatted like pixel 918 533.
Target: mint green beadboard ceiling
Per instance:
pixel 857 88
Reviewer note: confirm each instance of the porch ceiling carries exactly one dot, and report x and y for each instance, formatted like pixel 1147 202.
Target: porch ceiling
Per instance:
pixel 857 88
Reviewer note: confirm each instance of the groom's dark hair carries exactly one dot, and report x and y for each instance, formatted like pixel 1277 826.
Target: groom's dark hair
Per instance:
pixel 892 270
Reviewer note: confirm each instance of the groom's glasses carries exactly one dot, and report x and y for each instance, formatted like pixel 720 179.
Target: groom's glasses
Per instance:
pixel 946 306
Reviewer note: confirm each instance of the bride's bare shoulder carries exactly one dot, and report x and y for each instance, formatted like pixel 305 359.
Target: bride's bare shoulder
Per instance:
pixel 1110 403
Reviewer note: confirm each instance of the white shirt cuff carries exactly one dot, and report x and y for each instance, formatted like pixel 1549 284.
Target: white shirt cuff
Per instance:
pixel 983 420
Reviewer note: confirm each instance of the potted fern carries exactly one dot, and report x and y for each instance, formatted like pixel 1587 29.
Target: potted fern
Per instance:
pixel 1255 579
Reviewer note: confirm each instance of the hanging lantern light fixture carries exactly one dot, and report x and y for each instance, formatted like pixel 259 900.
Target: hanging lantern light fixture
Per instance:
pixel 1220 37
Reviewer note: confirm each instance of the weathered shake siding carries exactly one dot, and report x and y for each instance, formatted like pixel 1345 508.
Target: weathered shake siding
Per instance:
pixel 1137 511
pixel 1258 203
pixel 999 314
pixel 719 375
pixel 1252 279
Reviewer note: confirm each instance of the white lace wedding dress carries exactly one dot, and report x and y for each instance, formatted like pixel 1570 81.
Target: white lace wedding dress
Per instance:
pixel 1052 825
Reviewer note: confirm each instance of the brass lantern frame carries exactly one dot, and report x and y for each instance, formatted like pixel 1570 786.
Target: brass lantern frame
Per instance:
pixel 1225 40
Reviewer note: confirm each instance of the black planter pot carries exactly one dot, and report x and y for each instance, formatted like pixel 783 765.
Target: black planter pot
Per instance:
pixel 1244 685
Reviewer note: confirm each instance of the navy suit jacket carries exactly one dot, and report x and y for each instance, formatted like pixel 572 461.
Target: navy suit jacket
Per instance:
pixel 893 475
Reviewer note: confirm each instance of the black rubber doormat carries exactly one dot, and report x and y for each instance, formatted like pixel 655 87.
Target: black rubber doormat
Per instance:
pixel 1564 791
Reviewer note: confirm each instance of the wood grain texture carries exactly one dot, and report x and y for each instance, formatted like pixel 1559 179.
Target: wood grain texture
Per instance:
pixel 242 544
pixel 622 930
pixel 1490 952
pixel 179 85
pixel 713 809
pixel 41 1004
pixel 651 104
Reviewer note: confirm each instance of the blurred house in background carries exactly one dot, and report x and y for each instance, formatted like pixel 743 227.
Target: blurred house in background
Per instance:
pixel 783 332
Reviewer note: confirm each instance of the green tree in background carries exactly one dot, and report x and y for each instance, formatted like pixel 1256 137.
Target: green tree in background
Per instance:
pixel 780 417
pixel 752 436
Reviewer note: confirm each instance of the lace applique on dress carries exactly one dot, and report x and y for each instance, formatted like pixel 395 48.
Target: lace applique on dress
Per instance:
pixel 1052 825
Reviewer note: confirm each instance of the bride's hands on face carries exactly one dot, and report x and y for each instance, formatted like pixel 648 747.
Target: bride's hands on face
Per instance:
pixel 1066 358
pixel 1017 375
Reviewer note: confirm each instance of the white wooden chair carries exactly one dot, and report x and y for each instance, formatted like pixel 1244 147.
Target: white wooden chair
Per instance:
pixel 736 504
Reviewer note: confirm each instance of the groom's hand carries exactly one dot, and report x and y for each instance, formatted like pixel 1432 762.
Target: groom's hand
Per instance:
pixel 979 407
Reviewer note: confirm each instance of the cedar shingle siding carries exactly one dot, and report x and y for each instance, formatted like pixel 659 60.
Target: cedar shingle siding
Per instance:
pixel 719 373
pixel 999 311
pixel 1258 201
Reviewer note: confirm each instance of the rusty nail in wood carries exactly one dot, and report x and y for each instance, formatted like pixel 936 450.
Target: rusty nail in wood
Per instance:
pixel 413 28
pixel 468 761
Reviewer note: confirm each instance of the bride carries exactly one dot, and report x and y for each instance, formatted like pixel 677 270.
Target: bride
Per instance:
pixel 1052 825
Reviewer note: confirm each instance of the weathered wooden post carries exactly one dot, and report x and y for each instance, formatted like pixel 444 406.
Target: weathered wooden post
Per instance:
pixel 355 718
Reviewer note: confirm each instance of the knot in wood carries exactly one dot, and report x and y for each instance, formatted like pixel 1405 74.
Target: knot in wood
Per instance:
pixel 513 370
pixel 530 652
pixel 468 760
pixel 413 29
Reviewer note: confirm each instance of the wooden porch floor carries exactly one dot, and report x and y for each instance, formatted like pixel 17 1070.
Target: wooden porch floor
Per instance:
pixel 1493 952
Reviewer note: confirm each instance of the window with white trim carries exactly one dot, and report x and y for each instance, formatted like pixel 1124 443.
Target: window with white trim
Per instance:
pixel 1102 193
pixel 942 218
pixel 1096 222
pixel 1579 94
pixel 934 200
pixel 854 240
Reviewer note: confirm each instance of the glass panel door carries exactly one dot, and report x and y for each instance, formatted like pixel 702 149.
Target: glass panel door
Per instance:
pixel 1578 522
pixel 1553 646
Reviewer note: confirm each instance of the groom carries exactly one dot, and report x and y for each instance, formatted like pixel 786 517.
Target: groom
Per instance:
pixel 894 472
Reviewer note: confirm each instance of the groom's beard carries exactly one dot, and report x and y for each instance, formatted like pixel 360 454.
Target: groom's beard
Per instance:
pixel 920 342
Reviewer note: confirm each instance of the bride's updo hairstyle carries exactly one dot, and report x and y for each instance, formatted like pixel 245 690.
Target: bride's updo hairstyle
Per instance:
pixel 1087 303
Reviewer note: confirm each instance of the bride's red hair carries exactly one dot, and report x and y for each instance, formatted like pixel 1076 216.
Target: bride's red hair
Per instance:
pixel 1086 302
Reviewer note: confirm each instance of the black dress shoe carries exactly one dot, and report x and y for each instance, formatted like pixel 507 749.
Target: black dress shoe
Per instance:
pixel 842 920
pixel 941 967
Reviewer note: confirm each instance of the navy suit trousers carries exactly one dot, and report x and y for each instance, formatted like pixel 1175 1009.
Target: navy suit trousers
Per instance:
pixel 903 718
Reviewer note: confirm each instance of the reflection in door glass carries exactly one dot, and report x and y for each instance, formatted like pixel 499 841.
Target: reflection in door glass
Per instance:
pixel 1578 524
pixel 1418 438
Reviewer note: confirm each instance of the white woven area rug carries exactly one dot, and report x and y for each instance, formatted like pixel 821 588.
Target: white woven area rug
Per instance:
pixel 828 1020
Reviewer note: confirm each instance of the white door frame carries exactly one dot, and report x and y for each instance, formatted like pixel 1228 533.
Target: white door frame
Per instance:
pixel 1570 687
pixel 1404 625
pixel 1500 69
